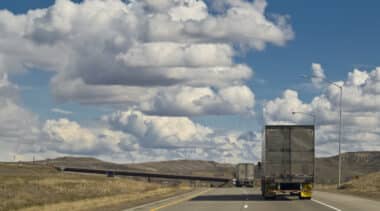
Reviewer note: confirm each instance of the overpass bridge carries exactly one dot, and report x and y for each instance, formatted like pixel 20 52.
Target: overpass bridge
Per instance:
pixel 149 175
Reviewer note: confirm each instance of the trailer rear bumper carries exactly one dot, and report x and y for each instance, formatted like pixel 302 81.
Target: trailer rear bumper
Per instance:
pixel 271 189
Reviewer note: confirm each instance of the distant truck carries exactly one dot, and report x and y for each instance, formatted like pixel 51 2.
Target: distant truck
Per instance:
pixel 288 161
pixel 245 173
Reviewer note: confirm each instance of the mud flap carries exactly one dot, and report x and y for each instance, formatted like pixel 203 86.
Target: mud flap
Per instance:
pixel 306 191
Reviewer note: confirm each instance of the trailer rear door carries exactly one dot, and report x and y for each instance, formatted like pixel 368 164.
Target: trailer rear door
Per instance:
pixel 277 153
pixel 302 150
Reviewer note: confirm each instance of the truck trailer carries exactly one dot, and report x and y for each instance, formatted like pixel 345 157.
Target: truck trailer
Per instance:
pixel 288 160
pixel 245 173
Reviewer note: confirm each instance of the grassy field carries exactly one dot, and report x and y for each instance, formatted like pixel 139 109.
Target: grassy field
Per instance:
pixel 365 186
pixel 38 187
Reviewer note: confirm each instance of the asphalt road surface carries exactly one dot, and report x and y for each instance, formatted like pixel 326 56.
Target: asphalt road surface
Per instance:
pixel 244 199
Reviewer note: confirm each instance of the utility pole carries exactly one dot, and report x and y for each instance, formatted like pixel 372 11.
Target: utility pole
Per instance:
pixel 340 131
pixel 340 136
pixel 340 126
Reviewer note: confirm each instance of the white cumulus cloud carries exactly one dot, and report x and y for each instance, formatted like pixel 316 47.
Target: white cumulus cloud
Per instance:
pixel 318 75
pixel 361 111
pixel 110 51
pixel 18 126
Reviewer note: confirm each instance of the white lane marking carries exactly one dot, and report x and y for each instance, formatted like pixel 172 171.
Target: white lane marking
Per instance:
pixel 327 205
pixel 160 201
pixel 245 206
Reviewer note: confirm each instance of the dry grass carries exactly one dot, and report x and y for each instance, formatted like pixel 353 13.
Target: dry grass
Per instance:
pixel 102 202
pixel 365 186
pixel 44 188
pixel 367 183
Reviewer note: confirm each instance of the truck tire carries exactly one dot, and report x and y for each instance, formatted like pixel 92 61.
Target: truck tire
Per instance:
pixel 269 197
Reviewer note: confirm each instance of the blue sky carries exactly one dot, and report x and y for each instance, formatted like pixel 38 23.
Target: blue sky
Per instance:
pixel 339 36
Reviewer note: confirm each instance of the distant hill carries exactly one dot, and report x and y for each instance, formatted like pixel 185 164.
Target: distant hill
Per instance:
pixel 353 164
pixel 182 167
pixel 83 162
pixel 187 167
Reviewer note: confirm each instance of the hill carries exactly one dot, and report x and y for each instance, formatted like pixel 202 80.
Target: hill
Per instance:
pixel 187 167
pixel 366 186
pixel 354 164
pixel 181 167
pixel 83 162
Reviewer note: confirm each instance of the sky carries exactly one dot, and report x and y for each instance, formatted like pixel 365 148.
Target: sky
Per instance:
pixel 183 79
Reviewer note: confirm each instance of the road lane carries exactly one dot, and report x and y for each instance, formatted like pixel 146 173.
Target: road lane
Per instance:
pixel 244 199
pixel 239 199
pixel 166 201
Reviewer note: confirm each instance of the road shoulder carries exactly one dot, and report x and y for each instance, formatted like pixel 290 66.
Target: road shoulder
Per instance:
pixel 347 202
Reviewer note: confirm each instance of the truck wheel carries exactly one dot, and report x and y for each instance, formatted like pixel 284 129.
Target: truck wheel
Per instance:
pixel 269 197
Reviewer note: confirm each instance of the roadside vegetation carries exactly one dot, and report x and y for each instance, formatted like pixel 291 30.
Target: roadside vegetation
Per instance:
pixel 38 187
pixel 365 186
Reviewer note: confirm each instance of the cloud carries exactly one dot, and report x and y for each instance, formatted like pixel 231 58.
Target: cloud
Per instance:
pixel 18 126
pixel 279 110
pixel 114 52
pixel 361 111
pixel 171 54
pixel 127 136
pixel 69 137
pixel 157 60
pixel 134 136
pixel 160 132
pixel 180 134
pixel 318 75
pixel 61 111
pixel 198 101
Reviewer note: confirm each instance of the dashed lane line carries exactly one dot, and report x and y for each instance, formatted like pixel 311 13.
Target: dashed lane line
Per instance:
pixel 180 200
pixel 156 202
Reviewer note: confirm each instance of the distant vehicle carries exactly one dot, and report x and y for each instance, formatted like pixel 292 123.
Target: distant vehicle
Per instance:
pixel 245 173
pixel 234 181
pixel 288 161
pixel 110 174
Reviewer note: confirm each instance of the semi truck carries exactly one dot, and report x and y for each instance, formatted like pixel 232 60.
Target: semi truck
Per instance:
pixel 245 173
pixel 288 160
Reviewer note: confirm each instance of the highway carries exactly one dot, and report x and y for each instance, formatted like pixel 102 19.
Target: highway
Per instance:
pixel 244 199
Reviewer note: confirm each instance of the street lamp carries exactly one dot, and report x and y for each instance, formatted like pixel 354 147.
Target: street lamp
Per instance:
pixel 340 131
pixel 340 125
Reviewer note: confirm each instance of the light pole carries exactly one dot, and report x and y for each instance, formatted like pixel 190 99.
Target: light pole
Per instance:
pixel 340 132
pixel 340 125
